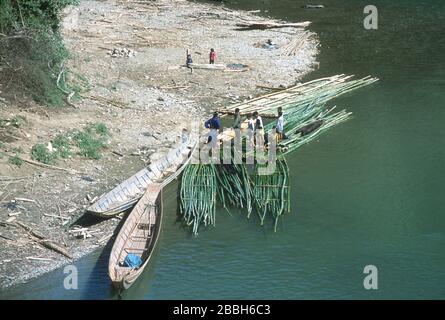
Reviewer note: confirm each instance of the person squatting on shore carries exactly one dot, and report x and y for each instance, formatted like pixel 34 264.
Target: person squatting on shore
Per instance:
pixel 188 62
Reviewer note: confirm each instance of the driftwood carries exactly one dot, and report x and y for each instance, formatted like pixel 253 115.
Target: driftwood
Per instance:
pixel 313 6
pixel 38 259
pixel 54 216
pixel 25 200
pixel 51 245
pixel 6 237
pixel 72 171
pixel 41 239
pixel 252 25
pixel 269 88
pixel 31 231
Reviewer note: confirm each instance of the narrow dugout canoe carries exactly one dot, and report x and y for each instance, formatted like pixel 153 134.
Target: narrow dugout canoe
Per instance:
pixel 137 239
pixel 127 193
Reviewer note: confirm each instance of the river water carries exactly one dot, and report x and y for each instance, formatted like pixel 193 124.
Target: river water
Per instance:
pixel 369 192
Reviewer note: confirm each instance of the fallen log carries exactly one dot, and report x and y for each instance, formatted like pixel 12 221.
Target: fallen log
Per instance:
pixel 51 245
pixel 41 239
pixel 270 88
pixel 72 171
pixel 252 25
pixel 31 231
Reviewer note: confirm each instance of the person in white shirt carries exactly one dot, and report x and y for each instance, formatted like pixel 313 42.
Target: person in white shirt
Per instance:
pixel 250 129
pixel 259 130
pixel 280 126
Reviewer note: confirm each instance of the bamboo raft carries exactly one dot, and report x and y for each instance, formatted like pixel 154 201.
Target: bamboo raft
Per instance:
pixel 317 91
pixel 127 193
pixel 306 117
pixel 138 237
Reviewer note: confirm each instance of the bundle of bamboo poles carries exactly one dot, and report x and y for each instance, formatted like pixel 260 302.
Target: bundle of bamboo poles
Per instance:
pixel 272 192
pixel 306 117
pixel 317 91
pixel 292 48
pixel 322 121
pixel 234 186
pixel 198 195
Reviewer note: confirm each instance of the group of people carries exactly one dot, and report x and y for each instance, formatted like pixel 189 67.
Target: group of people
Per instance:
pixel 189 60
pixel 255 128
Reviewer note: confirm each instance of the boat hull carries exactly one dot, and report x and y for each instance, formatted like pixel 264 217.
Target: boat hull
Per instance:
pixel 132 239
pixel 125 195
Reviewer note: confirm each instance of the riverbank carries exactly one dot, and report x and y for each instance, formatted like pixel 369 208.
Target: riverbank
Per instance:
pixel 144 99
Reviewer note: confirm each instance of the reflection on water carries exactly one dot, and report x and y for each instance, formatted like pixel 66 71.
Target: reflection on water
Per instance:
pixel 368 192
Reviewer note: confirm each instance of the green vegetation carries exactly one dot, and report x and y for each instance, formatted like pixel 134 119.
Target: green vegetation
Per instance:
pixel 87 142
pixel 62 144
pixel 16 160
pixel 99 128
pixel 32 52
pixel 266 194
pixel 16 122
pixel 41 153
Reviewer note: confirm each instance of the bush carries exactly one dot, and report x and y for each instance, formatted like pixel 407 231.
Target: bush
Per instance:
pixel 98 128
pixel 31 48
pixel 41 153
pixel 89 145
pixel 16 160
pixel 62 144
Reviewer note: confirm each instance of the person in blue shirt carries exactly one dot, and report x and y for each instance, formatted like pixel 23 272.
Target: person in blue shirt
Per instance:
pixel 214 124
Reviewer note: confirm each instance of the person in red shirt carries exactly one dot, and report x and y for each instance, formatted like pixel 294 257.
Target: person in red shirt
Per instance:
pixel 212 56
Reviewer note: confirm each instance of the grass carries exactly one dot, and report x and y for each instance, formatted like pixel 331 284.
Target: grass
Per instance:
pixel 16 160
pixel 16 122
pixel 89 145
pixel 98 128
pixel 87 142
pixel 40 153
pixel 62 144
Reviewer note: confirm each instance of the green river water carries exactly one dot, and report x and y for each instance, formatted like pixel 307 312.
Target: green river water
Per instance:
pixel 368 192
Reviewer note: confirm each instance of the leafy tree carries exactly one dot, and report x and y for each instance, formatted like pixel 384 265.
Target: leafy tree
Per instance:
pixel 31 47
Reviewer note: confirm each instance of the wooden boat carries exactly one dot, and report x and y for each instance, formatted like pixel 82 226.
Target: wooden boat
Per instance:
pixel 127 193
pixel 137 237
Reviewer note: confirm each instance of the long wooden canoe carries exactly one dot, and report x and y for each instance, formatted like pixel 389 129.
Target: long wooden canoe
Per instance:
pixel 137 237
pixel 127 193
